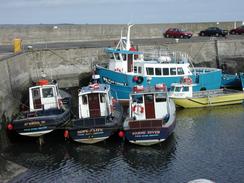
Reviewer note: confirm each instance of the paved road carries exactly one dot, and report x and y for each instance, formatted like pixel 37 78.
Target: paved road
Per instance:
pixel 7 49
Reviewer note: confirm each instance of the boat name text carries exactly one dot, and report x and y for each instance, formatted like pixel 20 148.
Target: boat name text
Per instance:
pixel 35 123
pixel 110 81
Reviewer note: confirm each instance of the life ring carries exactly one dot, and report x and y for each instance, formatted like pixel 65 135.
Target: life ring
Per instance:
pixel 42 82
pixel 139 80
pixel 160 86
pixel 138 109
pixel 187 80
pixel 94 86
pixel 135 79
pixel 138 88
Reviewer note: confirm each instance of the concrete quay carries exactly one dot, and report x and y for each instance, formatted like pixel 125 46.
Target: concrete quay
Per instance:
pixel 89 32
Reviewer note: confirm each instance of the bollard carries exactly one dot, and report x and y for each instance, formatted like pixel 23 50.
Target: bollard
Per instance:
pixel 17 45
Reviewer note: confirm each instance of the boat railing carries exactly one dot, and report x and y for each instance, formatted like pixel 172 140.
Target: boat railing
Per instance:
pixel 203 69
pixel 174 56
pixel 208 93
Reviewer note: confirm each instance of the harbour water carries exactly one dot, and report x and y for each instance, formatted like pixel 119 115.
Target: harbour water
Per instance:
pixel 207 143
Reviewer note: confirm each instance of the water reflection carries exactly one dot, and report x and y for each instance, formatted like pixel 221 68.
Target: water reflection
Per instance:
pixel 150 158
pixel 206 143
pixel 105 162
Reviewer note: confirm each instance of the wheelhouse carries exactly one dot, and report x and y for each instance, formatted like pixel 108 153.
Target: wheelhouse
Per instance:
pixel 147 104
pixel 181 90
pixel 94 101
pixel 44 96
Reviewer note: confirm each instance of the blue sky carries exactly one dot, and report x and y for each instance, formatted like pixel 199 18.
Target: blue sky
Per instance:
pixel 119 11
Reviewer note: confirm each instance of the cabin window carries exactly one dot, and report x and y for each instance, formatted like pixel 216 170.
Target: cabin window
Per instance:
pixel 84 99
pixel 137 99
pixel 135 57
pixel 124 56
pixel 47 92
pixel 172 71
pixel 177 89
pixel 180 71
pixel 36 93
pixel 150 71
pixel 102 97
pixel 185 89
pixel 139 69
pixel 165 71
pixel 160 98
pixel 135 69
pixel 158 71
pixel 149 98
pixel 117 56
pixel 111 56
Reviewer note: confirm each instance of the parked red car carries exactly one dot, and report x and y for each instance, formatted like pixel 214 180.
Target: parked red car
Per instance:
pixel 177 33
pixel 238 30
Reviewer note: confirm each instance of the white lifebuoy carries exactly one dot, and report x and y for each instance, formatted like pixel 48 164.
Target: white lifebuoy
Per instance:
pixel 138 109
pixel 187 80
pixel 94 86
pixel 138 88
pixel 160 86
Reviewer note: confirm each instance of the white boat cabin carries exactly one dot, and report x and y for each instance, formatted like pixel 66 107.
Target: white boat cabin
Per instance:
pixel 94 101
pixel 44 96
pixel 182 90
pixel 126 59
pixel 149 104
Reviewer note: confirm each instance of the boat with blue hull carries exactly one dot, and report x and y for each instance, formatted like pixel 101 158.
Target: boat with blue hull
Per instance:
pixel 49 109
pixel 151 116
pixel 233 81
pixel 242 80
pixel 129 67
pixel 100 115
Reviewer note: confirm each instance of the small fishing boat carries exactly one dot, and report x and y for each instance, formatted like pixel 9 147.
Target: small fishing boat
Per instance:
pixel 100 115
pixel 184 96
pixel 151 115
pixel 49 109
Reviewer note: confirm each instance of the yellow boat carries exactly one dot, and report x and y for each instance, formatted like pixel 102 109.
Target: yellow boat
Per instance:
pixel 184 96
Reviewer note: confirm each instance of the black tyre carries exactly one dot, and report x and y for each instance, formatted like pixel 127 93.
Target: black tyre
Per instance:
pixel 167 35
pixel 202 34
pixel 217 34
pixel 140 80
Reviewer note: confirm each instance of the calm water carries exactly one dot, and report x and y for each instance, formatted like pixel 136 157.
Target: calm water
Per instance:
pixel 207 143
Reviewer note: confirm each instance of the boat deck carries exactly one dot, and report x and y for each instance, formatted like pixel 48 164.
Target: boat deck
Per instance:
pixel 214 93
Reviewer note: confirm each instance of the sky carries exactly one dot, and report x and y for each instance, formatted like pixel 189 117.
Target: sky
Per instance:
pixel 119 11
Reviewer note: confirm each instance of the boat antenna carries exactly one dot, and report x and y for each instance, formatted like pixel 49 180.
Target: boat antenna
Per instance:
pixel 121 43
pixel 128 44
